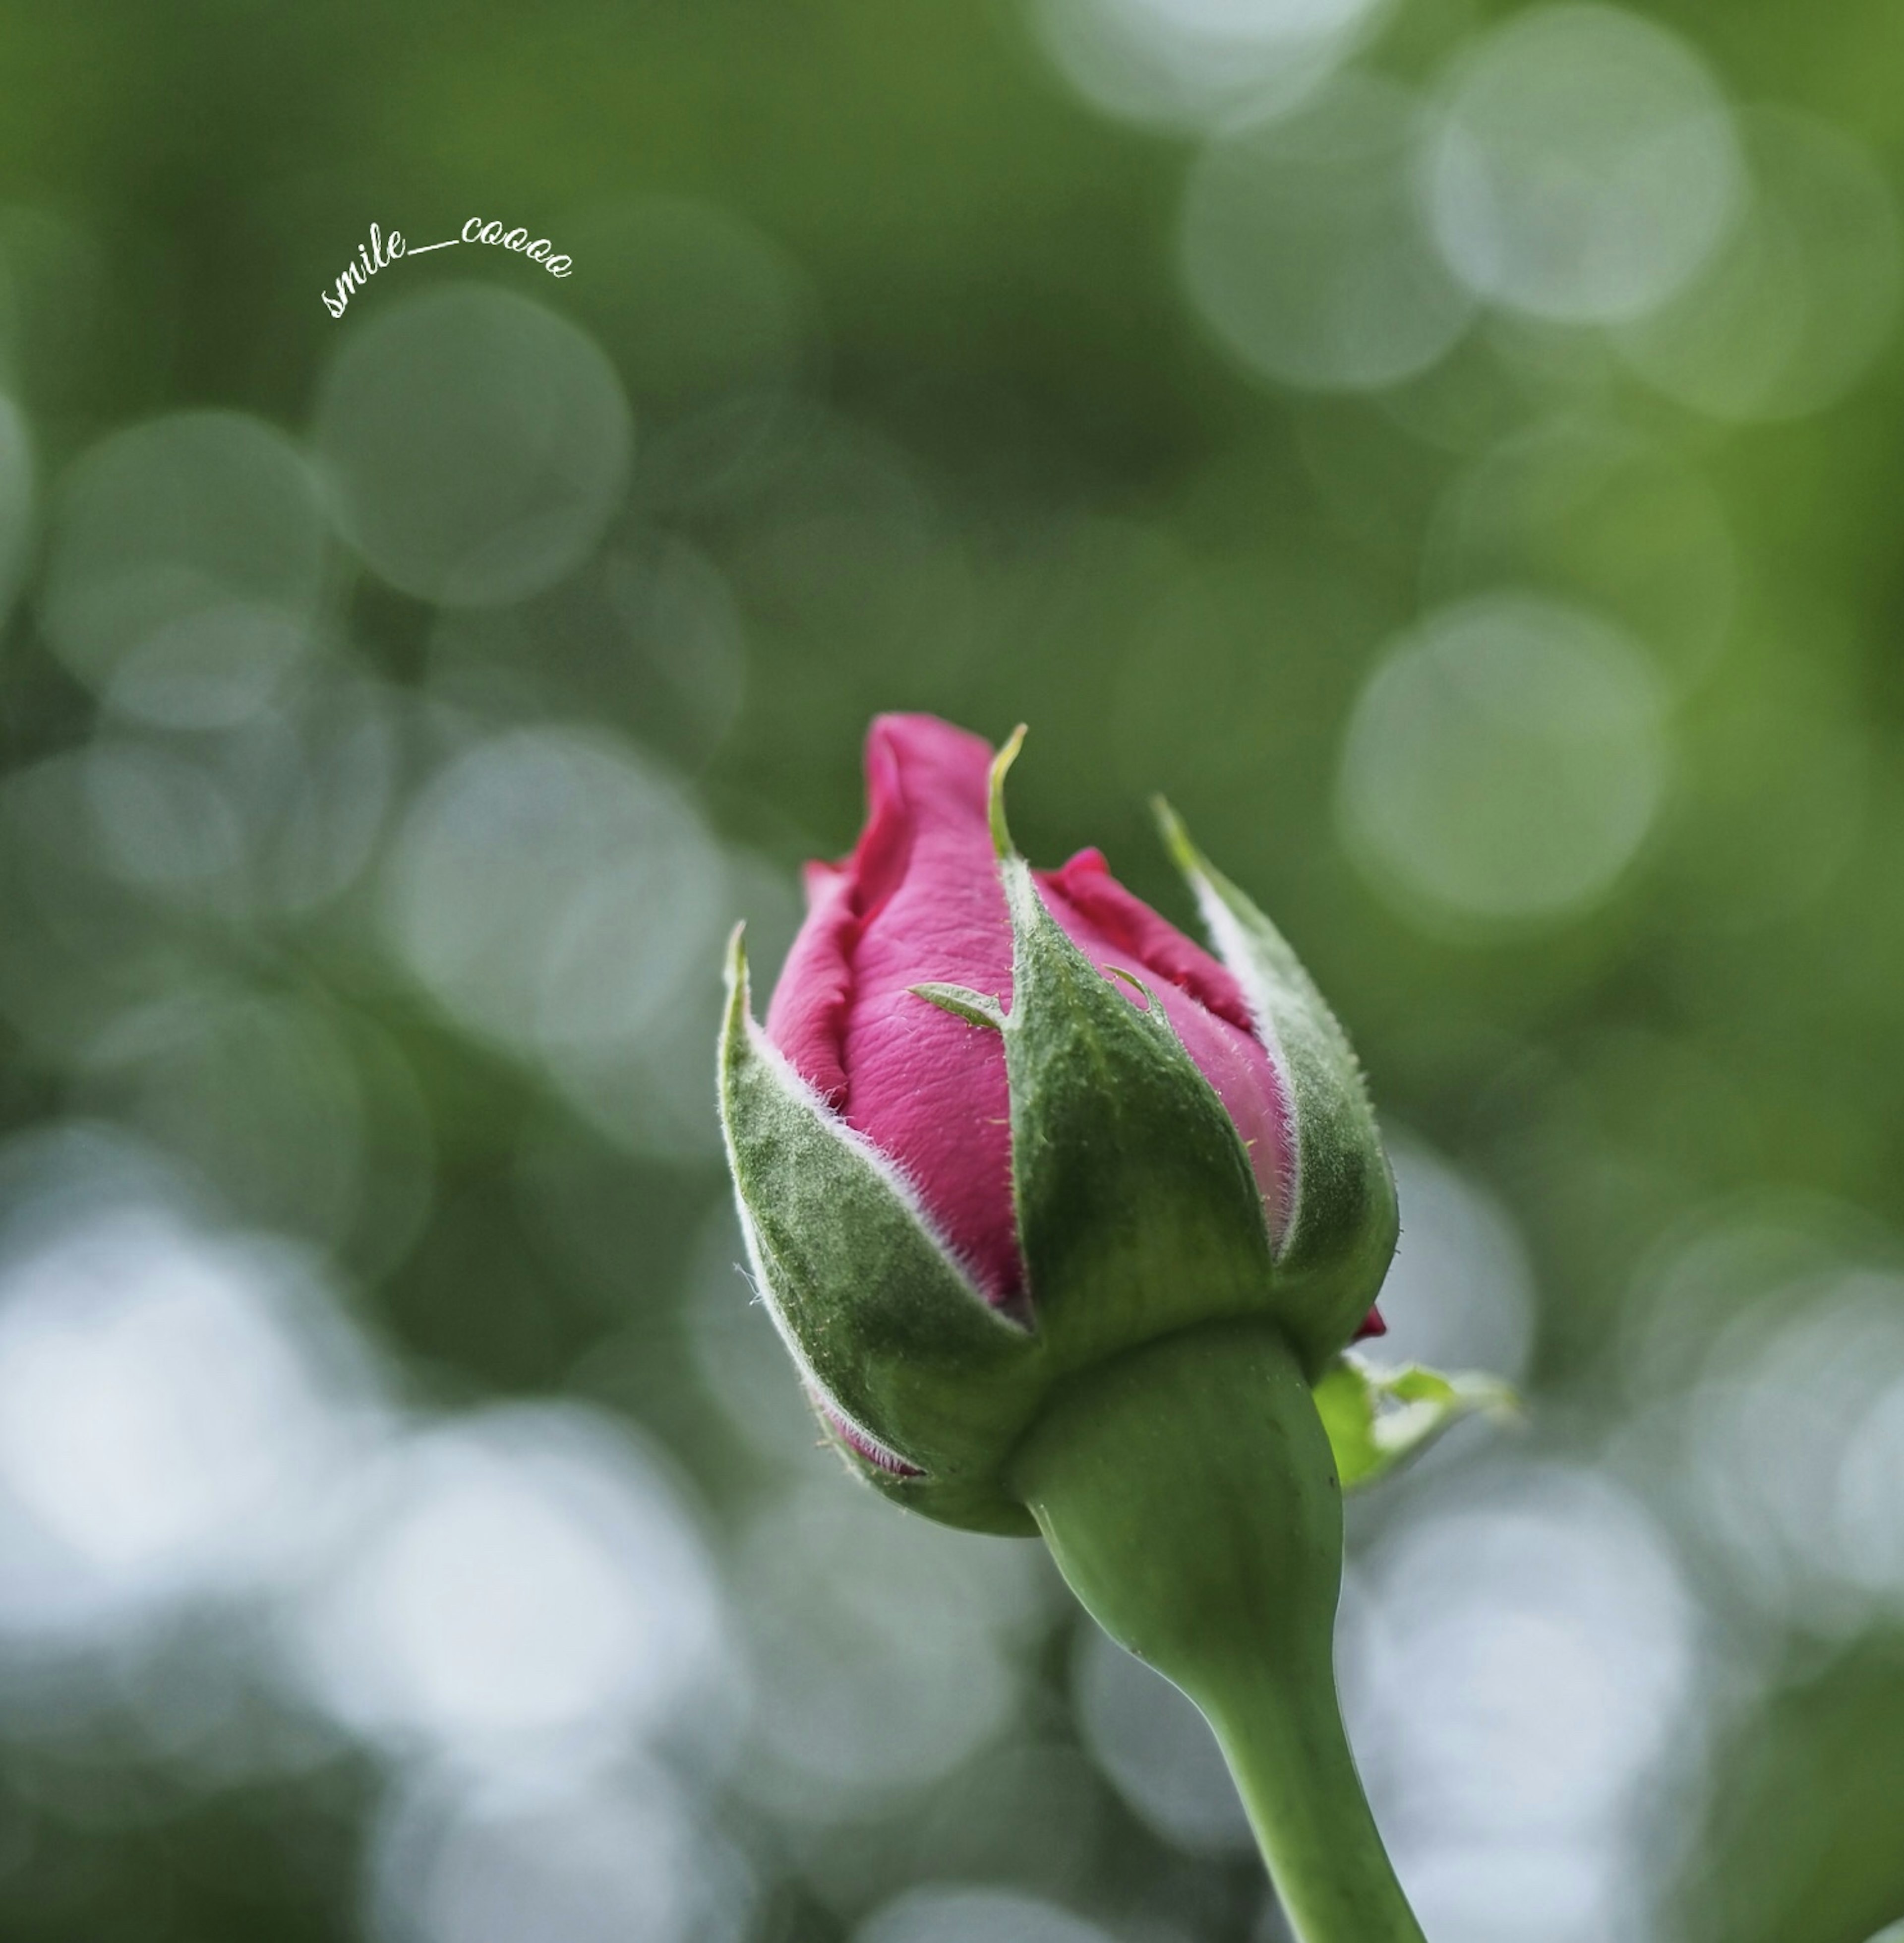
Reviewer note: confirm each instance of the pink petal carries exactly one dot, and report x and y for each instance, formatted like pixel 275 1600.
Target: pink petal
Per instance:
pixel 919 899
pixel 927 1088
pixel 1129 925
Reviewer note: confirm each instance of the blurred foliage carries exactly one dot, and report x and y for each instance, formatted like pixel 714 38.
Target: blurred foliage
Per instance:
pixel 395 712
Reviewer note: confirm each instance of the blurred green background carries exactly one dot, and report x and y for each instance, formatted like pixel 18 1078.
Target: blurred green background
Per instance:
pixel 1455 452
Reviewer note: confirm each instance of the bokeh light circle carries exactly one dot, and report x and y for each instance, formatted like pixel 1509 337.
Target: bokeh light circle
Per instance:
pixel 619 1862
pixel 185 568
pixel 1459 1293
pixel 1596 513
pixel 174 1403
pixel 693 302
pixel 1306 249
pixel 884 1658
pixel 1789 1444
pixel 1792 311
pixel 1191 63
pixel 965 1913
pixel 1522 1668
pixel 520 1591
pixel 476 444
pixel 1586 165
pixel 553 891
pixel 1504 763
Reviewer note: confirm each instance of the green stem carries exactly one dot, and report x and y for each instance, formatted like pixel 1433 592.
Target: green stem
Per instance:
pixel 1188 1494
pixel 1284 1741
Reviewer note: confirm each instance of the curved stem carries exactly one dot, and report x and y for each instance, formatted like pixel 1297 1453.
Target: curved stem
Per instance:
pixel 1187 1493
pixel 1284 1741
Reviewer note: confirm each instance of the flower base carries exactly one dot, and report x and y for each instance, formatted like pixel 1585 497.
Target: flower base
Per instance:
pixel 1189 1494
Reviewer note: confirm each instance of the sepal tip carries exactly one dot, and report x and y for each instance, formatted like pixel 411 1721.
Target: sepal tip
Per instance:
pixel 974 1008
pixel 1001 764
pixel 1176 834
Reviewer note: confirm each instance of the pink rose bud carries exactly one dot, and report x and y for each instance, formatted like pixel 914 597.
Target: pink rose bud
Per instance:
pixel 1091 1162
pixel 1068 1225
pixel 920 899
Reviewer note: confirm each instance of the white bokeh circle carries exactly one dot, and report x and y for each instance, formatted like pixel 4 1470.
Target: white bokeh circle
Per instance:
pixel 1306 249
pixel 475 443
pixel 1585 166
pixel 1504 763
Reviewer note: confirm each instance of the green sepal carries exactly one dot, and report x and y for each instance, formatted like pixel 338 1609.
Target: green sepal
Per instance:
pixel 876 1312
pixel 1379 1418
pixel 1339 1233
pixel 1138 1212
pixel 974 1008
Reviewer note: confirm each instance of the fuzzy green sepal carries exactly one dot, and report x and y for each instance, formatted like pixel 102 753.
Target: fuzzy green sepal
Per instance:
pixel 879 1317
pixel 1339 1231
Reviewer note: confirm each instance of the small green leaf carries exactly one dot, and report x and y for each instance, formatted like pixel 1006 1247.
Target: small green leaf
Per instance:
pixel 1378 1418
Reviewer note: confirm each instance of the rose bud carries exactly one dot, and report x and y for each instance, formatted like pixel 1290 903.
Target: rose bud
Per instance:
pixel 1238 1137
pixel 1067 1224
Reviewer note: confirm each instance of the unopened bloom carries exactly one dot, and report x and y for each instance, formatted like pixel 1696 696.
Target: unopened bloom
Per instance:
pixel 920 900
pixel 1002 1123
pixel 1067 1224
